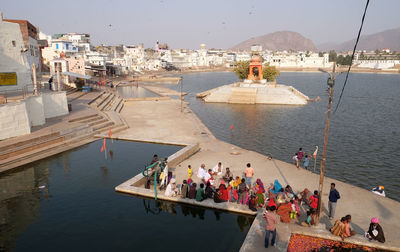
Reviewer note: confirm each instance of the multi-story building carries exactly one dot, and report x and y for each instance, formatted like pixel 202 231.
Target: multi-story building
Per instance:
pixel 30 36
pixel 15 68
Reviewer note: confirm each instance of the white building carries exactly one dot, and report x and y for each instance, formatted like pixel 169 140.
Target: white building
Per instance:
pixel 298 60
pixel 15 70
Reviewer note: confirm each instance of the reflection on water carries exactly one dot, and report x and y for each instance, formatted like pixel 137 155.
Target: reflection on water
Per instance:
pixel 362 146
pixel 68 201
pixel 134 92
pixel 156 207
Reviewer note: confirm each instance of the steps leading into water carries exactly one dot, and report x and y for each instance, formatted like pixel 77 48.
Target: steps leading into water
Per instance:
pixel 75 131
pixel 243 95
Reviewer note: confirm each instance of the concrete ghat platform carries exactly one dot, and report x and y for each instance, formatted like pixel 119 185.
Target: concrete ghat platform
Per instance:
pixel 255 237
pixel 163 122
pixel 255 94
pixel 135 186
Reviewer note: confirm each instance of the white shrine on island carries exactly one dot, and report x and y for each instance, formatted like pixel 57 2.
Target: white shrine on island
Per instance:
pixel 255 89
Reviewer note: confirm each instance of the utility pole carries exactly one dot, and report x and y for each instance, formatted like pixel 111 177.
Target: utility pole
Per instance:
pixel 181 93
pixel 34 79
pixel 331 83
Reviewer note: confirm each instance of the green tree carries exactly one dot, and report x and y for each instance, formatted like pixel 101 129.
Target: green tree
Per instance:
pixel 344 60
pixel 242 69
pixel 377 52
pixel 332 56
pixel 270 72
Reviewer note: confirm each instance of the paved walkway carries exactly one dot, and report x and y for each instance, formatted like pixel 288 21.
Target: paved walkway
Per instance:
pixel 162 121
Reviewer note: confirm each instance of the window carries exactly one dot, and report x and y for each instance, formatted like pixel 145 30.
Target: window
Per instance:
pixel 14 43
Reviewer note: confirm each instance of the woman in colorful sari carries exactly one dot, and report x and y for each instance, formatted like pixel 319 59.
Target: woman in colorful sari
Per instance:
pixel 260 193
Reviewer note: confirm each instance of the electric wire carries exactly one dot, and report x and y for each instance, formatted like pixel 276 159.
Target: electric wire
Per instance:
pixel 352 56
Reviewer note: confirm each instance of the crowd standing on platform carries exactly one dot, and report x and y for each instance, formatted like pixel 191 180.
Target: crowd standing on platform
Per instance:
pixel 280 203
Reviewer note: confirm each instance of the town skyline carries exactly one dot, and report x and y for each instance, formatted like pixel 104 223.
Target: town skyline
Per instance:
pixel 213 23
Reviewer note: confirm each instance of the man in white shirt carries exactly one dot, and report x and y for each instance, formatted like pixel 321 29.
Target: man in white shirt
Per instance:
pixel 202 171
pixel 217 170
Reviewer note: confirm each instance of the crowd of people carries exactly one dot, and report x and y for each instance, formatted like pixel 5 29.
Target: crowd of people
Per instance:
pixel 277 200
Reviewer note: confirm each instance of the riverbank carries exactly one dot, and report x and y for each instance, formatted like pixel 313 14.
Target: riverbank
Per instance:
pixel 163 120
pixel 281 69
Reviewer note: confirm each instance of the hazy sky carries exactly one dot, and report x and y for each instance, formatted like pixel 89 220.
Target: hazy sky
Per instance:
pixel 217 23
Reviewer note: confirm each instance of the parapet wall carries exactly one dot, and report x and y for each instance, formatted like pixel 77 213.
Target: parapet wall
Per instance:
pixel 14 120
pixel 55 104
pixel 17 118
pixel 35 110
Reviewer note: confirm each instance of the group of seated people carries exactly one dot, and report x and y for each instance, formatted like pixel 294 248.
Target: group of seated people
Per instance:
pixel 284 199
pixel 342 228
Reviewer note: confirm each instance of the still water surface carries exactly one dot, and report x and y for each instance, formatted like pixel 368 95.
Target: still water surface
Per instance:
pixel 68 203
pixel 363 145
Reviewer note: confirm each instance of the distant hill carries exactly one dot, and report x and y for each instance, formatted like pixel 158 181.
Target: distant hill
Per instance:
pixel 279 41
pixel 385 39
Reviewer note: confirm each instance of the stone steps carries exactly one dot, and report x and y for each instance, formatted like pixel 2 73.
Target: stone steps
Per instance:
pixel 105 125
pixel 44 152
pixel 30 146
pixel 12 144
pixel 120 106
pixel 83 118
pixel 98 121
pixel 243 95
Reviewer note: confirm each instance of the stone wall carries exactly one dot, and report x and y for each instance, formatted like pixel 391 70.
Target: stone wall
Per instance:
pixel 14 120
pixel 34 107
pixel 55 104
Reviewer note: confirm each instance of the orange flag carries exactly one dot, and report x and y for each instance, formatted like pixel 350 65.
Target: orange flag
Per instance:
pixel 109 133
pixel 232 127
pixel 315 152
pixel 103 148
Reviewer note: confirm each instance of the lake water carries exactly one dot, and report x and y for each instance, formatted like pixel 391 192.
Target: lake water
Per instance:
pixel 364 133
pixel 68 203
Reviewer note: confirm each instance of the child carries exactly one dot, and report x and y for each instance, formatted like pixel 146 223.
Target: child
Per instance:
pixel 296 160
pixel 200 195
pixel 242 191
pixel 190 171
pixel 253 203
pixel 293 212
pixel 184 189
pixel 310 218
pixel 237 182
pixel 297 206
pixel 306 162
pixel 314 200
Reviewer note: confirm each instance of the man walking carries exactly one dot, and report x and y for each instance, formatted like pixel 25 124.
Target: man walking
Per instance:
pixel 333 197
pixel 272 219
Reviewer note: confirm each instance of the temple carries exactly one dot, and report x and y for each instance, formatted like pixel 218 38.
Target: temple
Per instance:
pixel 255 72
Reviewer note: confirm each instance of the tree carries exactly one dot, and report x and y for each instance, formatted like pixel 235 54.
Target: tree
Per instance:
pixel 332 56
pixel 270 72
pixel 377 52
pixel 320 54
pixel 242 69
pixel 342 60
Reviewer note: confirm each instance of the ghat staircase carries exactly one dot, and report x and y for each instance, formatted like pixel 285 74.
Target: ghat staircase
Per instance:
pixel 99 115
pixel 243 95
